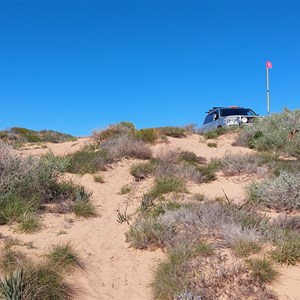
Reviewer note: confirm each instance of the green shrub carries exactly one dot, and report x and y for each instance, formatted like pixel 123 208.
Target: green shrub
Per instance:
pixel 142 170
pixel 29 223
pixel 98 178
pixel 215 133
pixel 82 206
pixel 146 233
pixel 113 131
pixel 169 275
pixel 88 161
pixel 176 132
pixel 209 170
pixel 167 185
pixel 125 190
pixel 26 135
pixel 204 249
pixel 212 145
pixel 191 158
pixel 63 256
pixel 245 248
pixel 287 249
pixel 148 135
pixel 263 270
pixel 272 133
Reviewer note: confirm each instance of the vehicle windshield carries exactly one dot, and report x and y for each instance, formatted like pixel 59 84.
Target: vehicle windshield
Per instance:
pixel 225 112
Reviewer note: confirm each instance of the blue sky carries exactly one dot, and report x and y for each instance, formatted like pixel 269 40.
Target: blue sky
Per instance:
pixel 75 66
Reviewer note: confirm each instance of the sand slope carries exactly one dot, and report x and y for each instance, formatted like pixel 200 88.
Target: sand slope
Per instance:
pixel 112 270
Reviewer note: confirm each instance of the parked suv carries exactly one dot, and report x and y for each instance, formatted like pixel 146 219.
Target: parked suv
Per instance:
pixel 227 116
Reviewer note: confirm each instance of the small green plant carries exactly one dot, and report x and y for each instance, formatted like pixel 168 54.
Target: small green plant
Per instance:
pixel 169 276
pixel 161 208
pixel 191 158
pixel 125 190
pixel 244 248
pixel 263 270
pixel 122 216
pixel 204 249
pixel 287 249
pixel 63 256
pixel 82 206
pixel 29 223
pixel 212 145
pixel 84 209
pixel 142 170
pixel 167 185
pixel 146 233
pixel 209 170
pixel 215 133
pixel 98 178
pixel 12 287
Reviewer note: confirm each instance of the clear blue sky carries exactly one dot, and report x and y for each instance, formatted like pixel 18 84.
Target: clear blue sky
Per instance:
pixel 75 66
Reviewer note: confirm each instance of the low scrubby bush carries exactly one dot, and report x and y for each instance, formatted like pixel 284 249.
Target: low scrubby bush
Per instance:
pixel 113 131
pixel 148 135
pixel 176 132
pixel 287 249
pixel 142 170
pixel 215 133
pixel 88 161
pixel 44 280
pixel 241 164
pixel 126 146
pixel 263 270
pixel 274 133
pixel 281 193
pixel 166 185
pixel 146 233
pixel 28 183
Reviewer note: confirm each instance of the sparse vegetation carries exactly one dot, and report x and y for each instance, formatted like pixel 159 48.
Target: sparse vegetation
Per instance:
pixel 287 249
pixel 18 136
pixel 212 145
pixel 213 134
pixel 44 280
pixel 176 132
pixel 274 133
pixel 241 164
pixel 98 178
pixel 281 193
pixel 263 269
pixel 29 223
pixel 63 256
pixel 142 170
pixel 88 161
pixel 148 135
pixel 125 189
pixel 165 185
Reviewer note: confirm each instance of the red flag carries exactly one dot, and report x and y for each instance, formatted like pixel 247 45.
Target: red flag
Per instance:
pixel 269 65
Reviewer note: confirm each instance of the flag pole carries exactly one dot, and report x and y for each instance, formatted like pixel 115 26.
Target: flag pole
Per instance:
pixel 268 92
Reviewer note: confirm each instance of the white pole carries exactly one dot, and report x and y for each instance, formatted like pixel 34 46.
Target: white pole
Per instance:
pixel 268 92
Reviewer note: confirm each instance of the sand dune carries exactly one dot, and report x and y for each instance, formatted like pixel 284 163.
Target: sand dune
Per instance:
pixel 112 270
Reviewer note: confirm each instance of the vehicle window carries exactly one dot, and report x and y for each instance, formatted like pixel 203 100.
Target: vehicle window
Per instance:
pixel 237 111
pixel 208 119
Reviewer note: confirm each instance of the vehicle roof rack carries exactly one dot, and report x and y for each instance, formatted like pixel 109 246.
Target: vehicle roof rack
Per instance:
pixel 216 107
